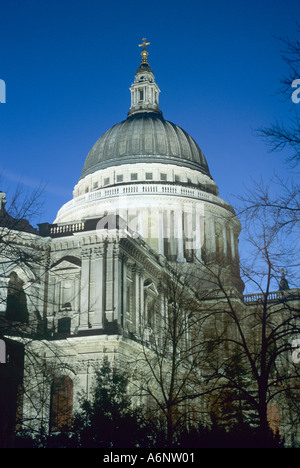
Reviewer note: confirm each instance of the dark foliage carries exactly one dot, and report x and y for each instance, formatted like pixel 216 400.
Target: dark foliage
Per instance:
pixel 107 419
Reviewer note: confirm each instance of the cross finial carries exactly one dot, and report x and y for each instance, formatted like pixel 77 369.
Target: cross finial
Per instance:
pixel 144 52
pixel 144 43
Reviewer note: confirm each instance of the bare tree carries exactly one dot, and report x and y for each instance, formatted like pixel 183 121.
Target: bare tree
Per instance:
pixel 249 358
pixel 279 135
pixel 23 268
pixel 169 376
pixel 271 215
pixel 217 351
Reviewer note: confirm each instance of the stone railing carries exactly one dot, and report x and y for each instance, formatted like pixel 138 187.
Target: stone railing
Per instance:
pixel 142 189
pixel 274 296
pixel 66 228
pixel 59 230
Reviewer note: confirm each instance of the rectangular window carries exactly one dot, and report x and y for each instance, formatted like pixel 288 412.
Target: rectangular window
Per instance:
pixel 61 404
pixel 106 181
pixel 141 95
pixel 134 176
pixel 163 176
pixel 120 178
pixel 177 178
pixel 149 176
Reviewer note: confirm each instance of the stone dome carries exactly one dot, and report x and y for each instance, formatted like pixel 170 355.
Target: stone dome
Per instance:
pixel 145 138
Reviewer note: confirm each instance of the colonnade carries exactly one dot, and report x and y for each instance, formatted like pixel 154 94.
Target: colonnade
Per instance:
pixel 185 234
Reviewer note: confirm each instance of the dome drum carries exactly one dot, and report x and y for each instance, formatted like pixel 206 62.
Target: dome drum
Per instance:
pixel 145 173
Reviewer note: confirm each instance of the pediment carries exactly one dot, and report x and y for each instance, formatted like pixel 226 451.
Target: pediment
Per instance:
pixel 151 288
pixel 66 264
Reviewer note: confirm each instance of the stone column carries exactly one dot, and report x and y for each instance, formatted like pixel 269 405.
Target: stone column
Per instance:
pixel 161 232
pixel 57 294
pixel 85 289
pixel 225 240
pixel 139 285
pixel 172 241
pixel 232 243
pixel 109 280
pixel 51 296
pixel 99 287
pixel 133 308
pixel 116 315
pixel 179 235
pixel 124 290
pixel 212 235
pixel 76 299
pixel 136 320
pixel 141 315
pixel 197 237
pixel 140 222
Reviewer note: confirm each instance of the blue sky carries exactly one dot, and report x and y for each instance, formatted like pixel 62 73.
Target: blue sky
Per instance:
pixel 68 66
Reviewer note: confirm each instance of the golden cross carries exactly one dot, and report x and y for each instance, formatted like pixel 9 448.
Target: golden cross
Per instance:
pixel 144 43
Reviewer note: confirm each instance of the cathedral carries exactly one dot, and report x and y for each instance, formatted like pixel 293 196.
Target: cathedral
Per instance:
pixel 145 199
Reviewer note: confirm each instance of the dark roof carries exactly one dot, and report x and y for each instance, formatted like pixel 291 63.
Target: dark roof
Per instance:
pixel 145 137
pixel 144 67
pixel 7 221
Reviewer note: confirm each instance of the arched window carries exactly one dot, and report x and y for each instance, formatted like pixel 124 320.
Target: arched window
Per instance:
pixel 61 406
pixel 16 306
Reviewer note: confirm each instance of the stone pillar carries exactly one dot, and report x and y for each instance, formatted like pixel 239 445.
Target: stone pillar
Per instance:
pixel 136 321
pixel 76 300
pixel 212 235
pixel 116 315
pixel 140 223
pixel 172 241
pixel 142 299
pixel 225 241
pixel 85 289
pixel 138 298
pixel 57 295
pixel 179 235
pixel 124 290
pixel 51 296
pixel 232 243
pixel 99 287
pixel 161 232
pixel 198 236
pixel 109 280
pixel 135 297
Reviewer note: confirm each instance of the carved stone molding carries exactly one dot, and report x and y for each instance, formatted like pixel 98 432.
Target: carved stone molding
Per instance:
pixel 86 252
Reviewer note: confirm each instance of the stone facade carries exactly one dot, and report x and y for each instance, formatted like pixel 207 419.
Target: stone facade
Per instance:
pixel 95 273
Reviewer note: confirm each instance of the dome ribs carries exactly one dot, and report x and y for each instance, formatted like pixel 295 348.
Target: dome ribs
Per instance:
pixel 145 137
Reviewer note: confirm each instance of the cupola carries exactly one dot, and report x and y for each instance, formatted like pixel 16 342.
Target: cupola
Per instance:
pixel 144 90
